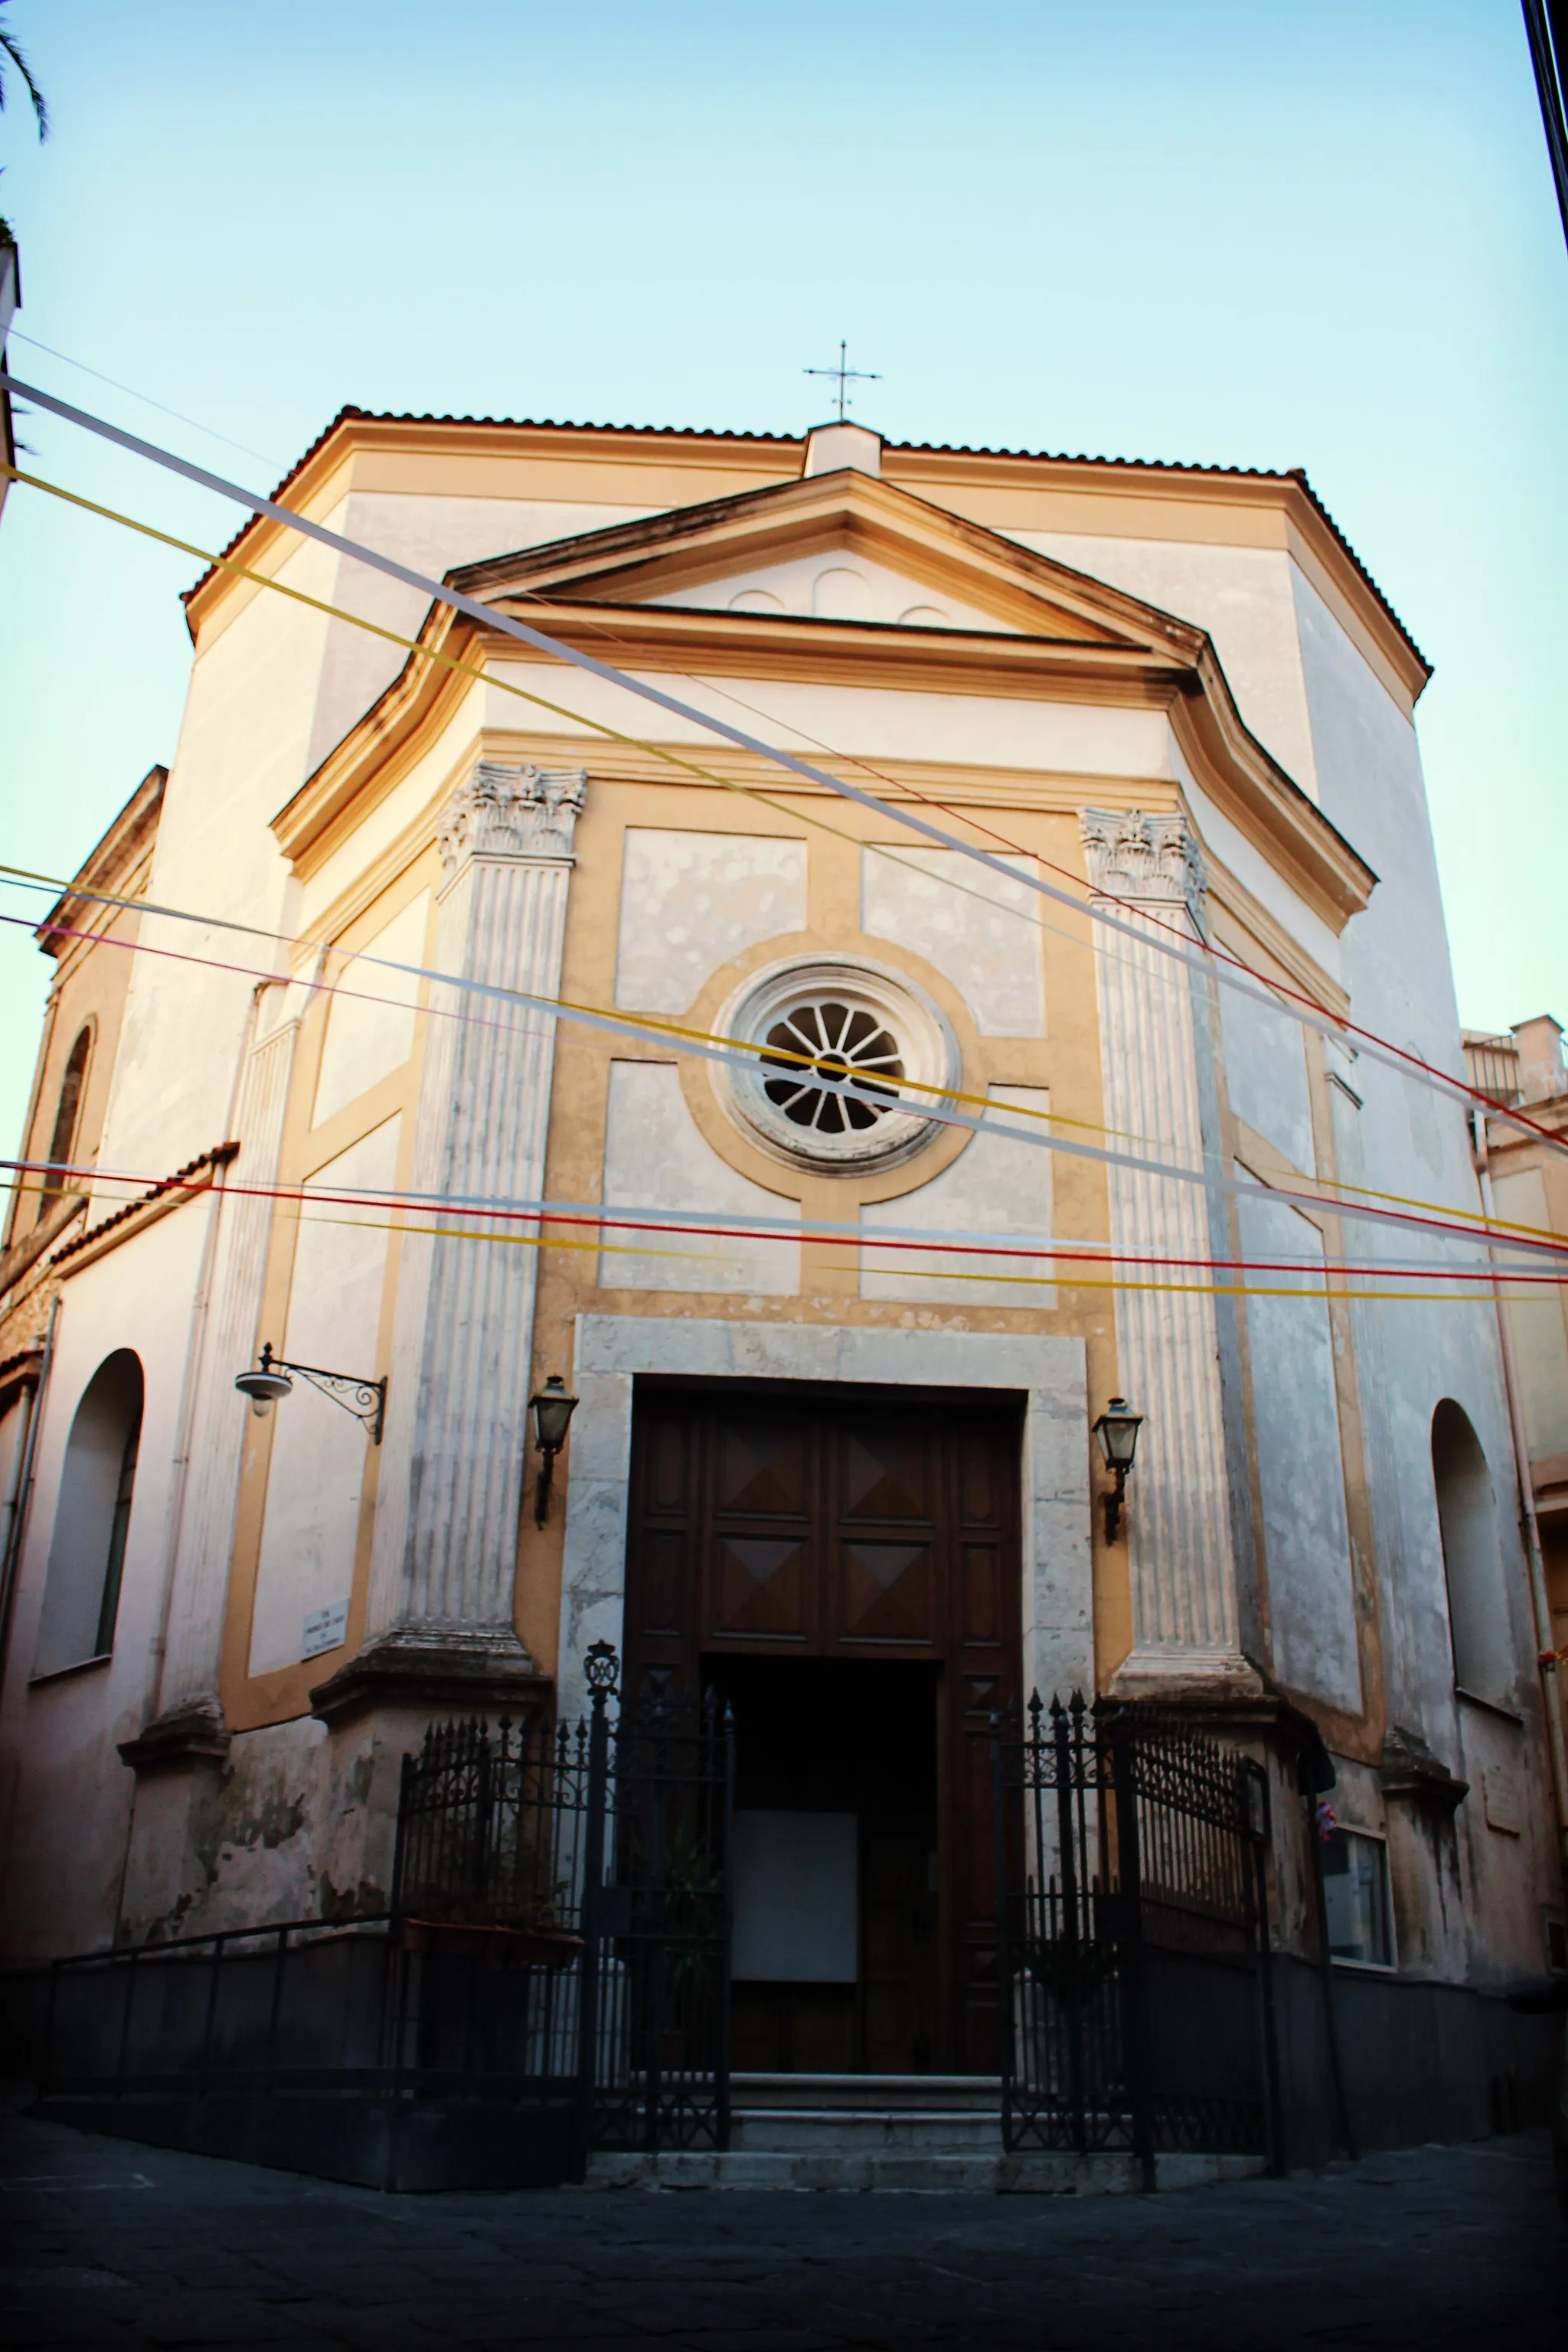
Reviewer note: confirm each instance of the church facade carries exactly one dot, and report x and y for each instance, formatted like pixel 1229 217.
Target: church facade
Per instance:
pixel 850 1183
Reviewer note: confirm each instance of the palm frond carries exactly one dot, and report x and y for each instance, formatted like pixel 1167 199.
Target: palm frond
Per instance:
pixel 10 47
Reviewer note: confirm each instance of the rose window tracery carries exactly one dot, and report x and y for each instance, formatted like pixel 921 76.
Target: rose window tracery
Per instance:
pixel 850 1059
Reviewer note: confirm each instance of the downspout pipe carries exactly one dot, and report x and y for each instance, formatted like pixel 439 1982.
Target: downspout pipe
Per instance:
pixel 1546 1648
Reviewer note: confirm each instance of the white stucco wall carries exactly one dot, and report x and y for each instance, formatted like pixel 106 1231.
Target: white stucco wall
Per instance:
pixel 1407 1141
pixel 432 535
pixel 1243 596
pixel 838 585
pixel 370 1021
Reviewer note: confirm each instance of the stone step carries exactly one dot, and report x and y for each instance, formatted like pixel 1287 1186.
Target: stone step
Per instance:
pixel 922 2093
pixel 996 2174
pixel 870 2131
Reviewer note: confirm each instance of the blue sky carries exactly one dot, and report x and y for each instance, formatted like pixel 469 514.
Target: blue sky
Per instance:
pixel 1236 231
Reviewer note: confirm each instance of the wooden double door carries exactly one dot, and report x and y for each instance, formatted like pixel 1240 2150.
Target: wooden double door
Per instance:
pixel 844 1565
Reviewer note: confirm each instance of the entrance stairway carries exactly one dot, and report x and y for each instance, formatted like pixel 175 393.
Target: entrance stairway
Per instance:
pixel 910 2132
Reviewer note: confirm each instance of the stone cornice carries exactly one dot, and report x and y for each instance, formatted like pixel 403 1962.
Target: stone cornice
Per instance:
pixel 1182 679
pixel 658 468
pixel 658 555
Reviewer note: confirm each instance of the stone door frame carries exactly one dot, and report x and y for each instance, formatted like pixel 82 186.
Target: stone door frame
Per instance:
pixel 1049 1371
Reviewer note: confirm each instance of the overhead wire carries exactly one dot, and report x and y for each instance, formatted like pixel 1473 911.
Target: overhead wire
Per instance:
pixel 555 648
pixel 1439 1223
pixel 450 662
pixel 1065 1252
pixel 15 334
pixel 482 675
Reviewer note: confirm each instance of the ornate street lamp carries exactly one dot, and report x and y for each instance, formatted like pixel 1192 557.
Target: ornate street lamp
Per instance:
pixel 552 1410
pixel 270 1382
pixel 1117 1430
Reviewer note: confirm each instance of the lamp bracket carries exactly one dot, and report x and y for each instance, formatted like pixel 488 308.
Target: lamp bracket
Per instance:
pixel 366 1399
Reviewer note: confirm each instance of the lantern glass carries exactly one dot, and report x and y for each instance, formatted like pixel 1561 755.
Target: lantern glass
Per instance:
pixel 552 1412
pixel 1117 1430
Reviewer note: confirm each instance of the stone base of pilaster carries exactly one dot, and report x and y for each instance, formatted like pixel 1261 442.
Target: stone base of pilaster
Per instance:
pixel 377 1709
pixel 176 1830
pixel 435 1668
pixel 1186 1673
pixel 186 1735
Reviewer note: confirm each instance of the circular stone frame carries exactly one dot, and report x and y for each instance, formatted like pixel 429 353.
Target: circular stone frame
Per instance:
pixel 928 1053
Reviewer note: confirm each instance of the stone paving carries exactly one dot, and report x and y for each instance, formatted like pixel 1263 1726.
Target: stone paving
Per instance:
pixel 107 2243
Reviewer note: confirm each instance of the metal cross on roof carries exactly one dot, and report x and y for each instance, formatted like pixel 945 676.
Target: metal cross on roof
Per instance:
pixel 844 376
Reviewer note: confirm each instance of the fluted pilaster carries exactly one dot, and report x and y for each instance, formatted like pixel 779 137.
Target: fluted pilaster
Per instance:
pixel 455 1453
pixel 1154 1038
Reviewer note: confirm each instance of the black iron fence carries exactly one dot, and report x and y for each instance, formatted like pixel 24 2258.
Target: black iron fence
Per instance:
pixel 558 1940
pixel 1134 1943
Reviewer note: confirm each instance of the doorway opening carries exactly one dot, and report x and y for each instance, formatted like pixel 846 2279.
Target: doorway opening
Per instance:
pixel 844 1563
pixel 835 1864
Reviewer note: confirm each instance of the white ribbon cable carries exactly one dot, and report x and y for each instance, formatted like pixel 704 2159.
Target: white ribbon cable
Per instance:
pixel 1426 1226
pixel 1452 1089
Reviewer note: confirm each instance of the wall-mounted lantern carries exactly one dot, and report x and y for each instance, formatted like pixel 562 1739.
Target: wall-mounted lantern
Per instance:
pixel 270 1383
pixel 1117 1430
pixel 552 1410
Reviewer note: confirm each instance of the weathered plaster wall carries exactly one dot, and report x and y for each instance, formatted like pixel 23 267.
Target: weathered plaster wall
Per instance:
pixel 1265 1073
pixel 1536 1316
pixel 691 901
pixel 1300 1464
pixel 980 931
pixel 655 1159
pixel 995 1186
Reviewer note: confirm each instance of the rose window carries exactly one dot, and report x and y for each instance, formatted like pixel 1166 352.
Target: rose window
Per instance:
pixel 825 1037
pixel 848 1060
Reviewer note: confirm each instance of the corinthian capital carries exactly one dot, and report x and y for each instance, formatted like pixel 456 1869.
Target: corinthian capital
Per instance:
pixel 524 813
pixel 1152 859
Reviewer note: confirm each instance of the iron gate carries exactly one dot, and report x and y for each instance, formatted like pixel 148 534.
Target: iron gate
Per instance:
pixel 563 1905
pixel 1134 1935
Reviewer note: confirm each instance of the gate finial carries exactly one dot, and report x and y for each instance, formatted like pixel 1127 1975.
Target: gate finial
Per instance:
pixel 601 1669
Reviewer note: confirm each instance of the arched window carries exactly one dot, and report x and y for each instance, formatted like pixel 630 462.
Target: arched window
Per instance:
pixel 1472 1560
pixel 93 1519
pixel 67 1112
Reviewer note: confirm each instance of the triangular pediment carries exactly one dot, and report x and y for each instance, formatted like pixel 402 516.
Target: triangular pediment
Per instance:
pixel 838 547
pixel 843 578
